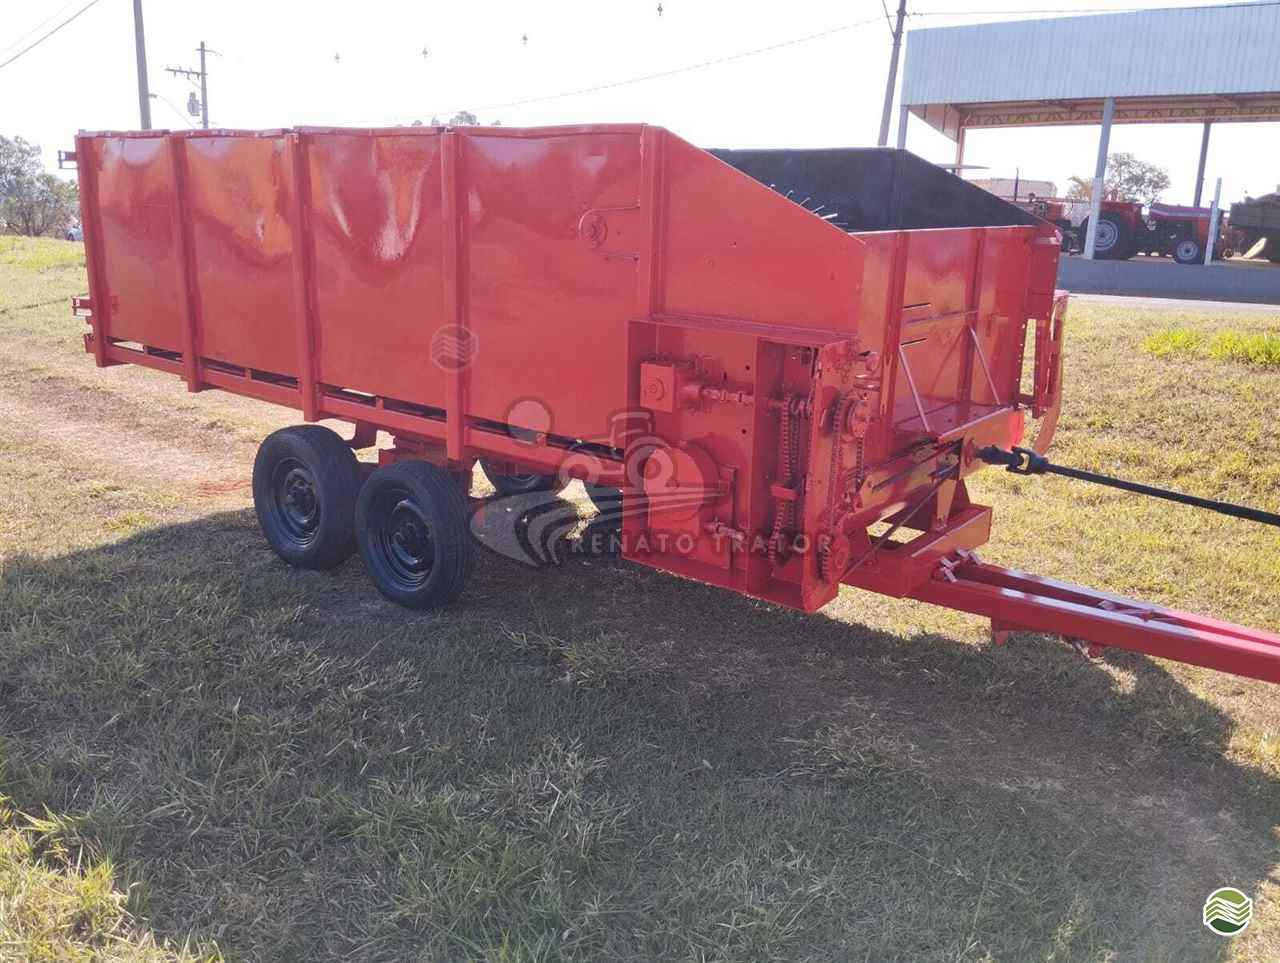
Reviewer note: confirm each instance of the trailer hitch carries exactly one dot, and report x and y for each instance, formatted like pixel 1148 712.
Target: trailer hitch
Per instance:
pixel 1093 620
pixel 1024 461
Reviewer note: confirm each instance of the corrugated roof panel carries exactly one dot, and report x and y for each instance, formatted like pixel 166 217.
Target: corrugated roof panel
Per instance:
pixel 1150 53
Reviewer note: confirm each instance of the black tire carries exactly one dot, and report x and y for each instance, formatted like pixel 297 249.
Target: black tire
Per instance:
pixel 413 534
pixel 1188 250
pixel 520 484
pixel 1113 241
pixel 1271 250
pixel 305 483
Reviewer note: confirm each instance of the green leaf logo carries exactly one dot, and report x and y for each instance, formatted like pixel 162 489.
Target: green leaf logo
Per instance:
pixel 1227 911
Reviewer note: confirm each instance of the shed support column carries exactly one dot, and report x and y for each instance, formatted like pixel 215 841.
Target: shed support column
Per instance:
pixel 1214 213
pixel 1099 176
pixel 902 127
pixel 959 151
pixel 1204 156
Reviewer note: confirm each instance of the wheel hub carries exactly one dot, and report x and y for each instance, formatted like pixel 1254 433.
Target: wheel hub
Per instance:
pixel 1105 238
pixel 297 500
pixel 408 543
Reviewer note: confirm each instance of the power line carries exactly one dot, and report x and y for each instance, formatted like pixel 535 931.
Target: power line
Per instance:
pixel 34 44
pixel 715 62
pixel 888 22
pixel 174 107
pixel 22 38
pixel 203 87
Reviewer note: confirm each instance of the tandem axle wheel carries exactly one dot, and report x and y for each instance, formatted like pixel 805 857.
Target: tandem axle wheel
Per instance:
pixel 409 520
pixel 305 481
pixel 413 535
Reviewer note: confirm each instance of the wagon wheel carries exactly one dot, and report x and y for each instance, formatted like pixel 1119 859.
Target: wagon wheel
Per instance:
pixel 413 533
pixel 1188 250
pixel 305 482
pixel 519 484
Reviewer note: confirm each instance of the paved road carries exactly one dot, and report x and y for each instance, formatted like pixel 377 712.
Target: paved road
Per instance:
pixel 1176 304
pixel 1244 263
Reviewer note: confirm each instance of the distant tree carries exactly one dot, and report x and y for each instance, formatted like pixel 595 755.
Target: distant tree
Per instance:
pixel 464 118
pixel 32 201
pixel 38 205
pixel 1128 179
pixel 18 160
pixel 1080 189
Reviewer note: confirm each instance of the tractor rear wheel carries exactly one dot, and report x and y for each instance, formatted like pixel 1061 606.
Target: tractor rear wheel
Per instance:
pixel 1188 250
pixel 414 536
pixel 1113 240
pixel 305 483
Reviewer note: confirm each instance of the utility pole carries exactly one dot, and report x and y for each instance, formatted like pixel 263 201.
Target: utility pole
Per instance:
pixel 140 43
pixel 893 74
pixel 204 91
pixel 203 75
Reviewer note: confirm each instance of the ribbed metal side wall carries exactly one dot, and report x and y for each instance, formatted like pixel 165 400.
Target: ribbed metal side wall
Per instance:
pixel 1191 51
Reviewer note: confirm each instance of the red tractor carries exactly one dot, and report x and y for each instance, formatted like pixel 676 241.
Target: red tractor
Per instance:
pixel 1055 212
pixel 1166 230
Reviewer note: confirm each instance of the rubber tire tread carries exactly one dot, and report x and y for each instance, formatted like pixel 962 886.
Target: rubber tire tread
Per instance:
pixel 437 492
pixel 1124 248
pixel 1199 256
pixel 338 478
pixel 508 485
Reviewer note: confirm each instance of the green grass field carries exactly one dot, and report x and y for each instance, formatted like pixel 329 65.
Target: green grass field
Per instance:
pixel 206 755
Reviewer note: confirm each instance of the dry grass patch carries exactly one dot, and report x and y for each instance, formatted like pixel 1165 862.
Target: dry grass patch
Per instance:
pixel 59 902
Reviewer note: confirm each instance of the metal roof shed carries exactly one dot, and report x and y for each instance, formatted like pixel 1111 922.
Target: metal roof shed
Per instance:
pixel 1190 64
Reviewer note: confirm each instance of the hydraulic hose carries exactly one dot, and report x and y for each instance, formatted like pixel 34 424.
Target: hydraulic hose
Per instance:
pixel 1024 461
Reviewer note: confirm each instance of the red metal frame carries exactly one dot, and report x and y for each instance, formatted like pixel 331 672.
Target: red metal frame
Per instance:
pixel 787 407
pixel 1018 601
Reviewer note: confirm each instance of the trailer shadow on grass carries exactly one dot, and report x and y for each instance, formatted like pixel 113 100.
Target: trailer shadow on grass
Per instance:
pixel 603 762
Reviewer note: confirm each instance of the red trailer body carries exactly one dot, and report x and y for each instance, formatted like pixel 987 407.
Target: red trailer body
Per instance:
pixel 776 397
